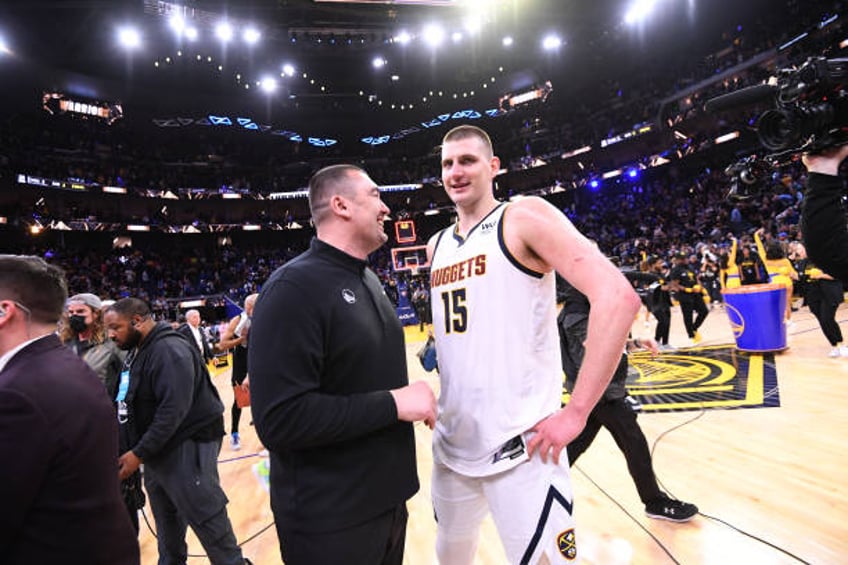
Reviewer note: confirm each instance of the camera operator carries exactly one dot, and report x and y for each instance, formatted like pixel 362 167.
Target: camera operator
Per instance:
pixel 823 220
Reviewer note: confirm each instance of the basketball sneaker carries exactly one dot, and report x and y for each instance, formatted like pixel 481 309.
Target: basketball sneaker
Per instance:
pixel 834 352
pixel 235 443
pixel 632 403
pixel 665 508
pixel 697 338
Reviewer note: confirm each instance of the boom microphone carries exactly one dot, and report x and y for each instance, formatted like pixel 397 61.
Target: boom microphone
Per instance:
pixel 740 98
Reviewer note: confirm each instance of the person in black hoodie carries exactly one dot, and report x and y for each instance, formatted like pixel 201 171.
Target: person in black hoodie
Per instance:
pixel 170 414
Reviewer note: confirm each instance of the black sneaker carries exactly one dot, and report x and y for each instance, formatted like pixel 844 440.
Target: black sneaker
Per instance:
pixel 665 508
pixel 632 403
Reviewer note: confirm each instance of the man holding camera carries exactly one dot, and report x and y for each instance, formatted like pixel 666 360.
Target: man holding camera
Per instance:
pixel 823 219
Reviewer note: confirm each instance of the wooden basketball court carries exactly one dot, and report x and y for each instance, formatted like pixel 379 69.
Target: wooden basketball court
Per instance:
pixel 765 459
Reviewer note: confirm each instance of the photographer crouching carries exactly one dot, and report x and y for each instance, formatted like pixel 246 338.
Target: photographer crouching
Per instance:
pixel 823 218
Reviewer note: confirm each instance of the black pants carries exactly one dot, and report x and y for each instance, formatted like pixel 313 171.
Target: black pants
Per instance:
pixel 823 297
pixel 690 305
pixel 663 316
pixel 239 373
pixel 617 417
pixel 379 541
pixel 184 490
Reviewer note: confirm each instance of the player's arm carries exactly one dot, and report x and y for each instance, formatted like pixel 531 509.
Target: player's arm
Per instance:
pixel 229 339
pixel 542 238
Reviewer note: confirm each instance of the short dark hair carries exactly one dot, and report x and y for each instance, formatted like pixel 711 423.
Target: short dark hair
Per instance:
pixel 37 285
pixel 774 251
pixel 466 131
pixel 322 186
pixel 129 307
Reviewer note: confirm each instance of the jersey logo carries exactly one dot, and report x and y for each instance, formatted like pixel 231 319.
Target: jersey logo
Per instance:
pixel 510 450
pixel 566 544
pixel 486 227
pixel 348 296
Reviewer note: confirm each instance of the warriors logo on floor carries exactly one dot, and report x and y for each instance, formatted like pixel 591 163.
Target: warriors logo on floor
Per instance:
pixel 703 378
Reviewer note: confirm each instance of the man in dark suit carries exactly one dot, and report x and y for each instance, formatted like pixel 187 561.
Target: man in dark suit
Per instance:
pixel 61 501
pixel 195 334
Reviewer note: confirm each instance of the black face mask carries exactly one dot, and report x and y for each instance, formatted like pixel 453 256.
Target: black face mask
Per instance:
pixel 77 323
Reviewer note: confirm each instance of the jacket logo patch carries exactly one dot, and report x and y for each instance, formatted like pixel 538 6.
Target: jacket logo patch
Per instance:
pixel 567 545
pixel 348 296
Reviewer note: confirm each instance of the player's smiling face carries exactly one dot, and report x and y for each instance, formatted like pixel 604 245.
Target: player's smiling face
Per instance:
pixel 467 170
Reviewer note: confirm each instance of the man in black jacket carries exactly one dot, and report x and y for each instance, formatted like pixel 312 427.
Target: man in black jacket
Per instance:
pixel 59 496
pixel 329 388
pixel 614 411
pixel 823 221
pixel 171 415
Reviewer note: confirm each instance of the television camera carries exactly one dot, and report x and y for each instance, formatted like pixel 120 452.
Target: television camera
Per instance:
pixel 809 114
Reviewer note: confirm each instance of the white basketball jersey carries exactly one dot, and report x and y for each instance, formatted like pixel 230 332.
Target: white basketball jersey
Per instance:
pixel 497 347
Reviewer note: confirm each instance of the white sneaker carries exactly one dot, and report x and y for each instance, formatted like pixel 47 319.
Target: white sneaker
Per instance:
pixel 834 352
pixel 264 453
pixel 843 351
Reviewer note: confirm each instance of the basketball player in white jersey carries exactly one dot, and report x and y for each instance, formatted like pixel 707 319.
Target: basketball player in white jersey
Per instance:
pixel 500 429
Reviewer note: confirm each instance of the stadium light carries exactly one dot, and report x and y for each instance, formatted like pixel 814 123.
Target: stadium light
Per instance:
pixel 129 37
pixel 507 41
pixel 456 37
pixel 638 11
pixel 473 24
pixel 268 84
pixel 288 70
pixel 551 42
pixel 224 31
pixel 177 23
pixel 4 47
pixel 251 35
pixel 403 37
pixel 433 35
pixel 378 63
pixel 190 33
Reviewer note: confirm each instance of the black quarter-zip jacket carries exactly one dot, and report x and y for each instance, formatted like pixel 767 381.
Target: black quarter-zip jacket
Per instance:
pixel 325 348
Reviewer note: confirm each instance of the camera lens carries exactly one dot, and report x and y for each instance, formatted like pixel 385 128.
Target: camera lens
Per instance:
pixel 779 129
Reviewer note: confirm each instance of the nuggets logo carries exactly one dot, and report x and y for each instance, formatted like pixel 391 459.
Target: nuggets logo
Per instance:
pixel 566 544
pixel 474 267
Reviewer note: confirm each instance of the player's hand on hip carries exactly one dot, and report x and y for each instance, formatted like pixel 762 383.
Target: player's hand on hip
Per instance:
pixel 416 402
pixel 554 433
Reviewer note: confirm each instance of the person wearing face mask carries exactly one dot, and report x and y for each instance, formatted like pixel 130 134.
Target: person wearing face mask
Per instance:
pixel 83 331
